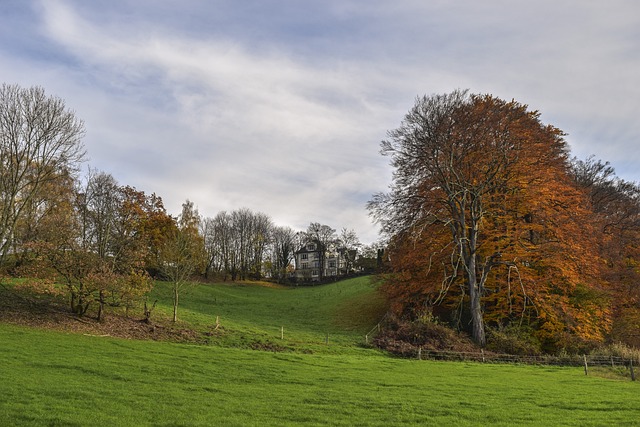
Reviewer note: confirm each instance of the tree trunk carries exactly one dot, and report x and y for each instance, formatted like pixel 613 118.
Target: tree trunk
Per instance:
pixel 101 302
pixel 475 306
pixel 175 302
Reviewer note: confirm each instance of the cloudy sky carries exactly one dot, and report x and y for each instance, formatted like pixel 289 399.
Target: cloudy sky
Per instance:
pixel 280 106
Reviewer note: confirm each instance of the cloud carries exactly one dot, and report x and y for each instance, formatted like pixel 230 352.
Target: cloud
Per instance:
pixel 280 105
pixel 240 129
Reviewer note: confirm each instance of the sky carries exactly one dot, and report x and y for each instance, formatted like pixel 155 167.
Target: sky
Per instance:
pixel 280 106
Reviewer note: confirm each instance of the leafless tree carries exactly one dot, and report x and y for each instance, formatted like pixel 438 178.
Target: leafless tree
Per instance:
pixel 349 245
pixel 40 142
pixel 283 246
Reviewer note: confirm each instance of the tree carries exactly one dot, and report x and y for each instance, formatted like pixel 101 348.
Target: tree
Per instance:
pixel 283 246
pixel 481 183
pixel 183 253
pixel 349 245
pixel 616 207
pixel 236 243
pixel 90 241
pixel 98 205
pixel 217 233
pixel 40 142
pixel 370 258
pixel 50 212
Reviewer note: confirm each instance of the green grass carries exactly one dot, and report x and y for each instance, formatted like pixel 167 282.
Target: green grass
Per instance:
pixel 51 378
pixel 252 314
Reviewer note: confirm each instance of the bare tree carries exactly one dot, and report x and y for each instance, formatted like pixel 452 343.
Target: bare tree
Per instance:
pixel 283 246
pixel 98 210
pixel 219 244
pixel 349 245
pixel 40 142
pixel 260 236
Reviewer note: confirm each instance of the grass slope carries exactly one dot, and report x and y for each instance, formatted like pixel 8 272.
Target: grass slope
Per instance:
pixel 52 378
pixel 254 315
pixel 55 378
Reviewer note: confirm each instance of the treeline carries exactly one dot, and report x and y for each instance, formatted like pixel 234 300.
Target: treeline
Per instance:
pixel 103 241
pixel 495 230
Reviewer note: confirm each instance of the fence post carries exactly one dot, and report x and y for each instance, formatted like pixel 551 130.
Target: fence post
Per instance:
pixel 586 369
pixel 419 353
pixel 366 339
pixel 281 332
pixel 633 375
pixel 482 352
pixel 327 339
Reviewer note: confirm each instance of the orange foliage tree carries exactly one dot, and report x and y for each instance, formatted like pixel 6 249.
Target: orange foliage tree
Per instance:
pixel 485 222
pixel 616 208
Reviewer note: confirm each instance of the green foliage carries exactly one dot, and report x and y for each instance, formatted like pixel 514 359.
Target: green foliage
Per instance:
pixel 513 340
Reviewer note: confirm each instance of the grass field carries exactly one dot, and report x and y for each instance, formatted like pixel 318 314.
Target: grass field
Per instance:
pixel 251 314
pixel 54 378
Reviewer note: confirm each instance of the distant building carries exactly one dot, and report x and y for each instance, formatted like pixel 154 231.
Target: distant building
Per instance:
pixel 314 263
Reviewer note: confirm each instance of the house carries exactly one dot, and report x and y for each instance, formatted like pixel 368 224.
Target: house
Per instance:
pixel 315 262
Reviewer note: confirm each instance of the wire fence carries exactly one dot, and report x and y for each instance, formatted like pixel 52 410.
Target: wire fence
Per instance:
pixel 630 365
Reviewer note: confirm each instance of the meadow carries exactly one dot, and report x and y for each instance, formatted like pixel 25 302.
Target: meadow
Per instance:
pixel 57 378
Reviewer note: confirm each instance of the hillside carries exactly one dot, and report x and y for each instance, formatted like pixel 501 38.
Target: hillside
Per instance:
pixel 53 378
pixel 85 375
pixel 246 315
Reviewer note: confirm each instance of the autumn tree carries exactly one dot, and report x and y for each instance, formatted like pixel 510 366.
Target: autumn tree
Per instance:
pixel 93 239
pixel 50 212
pixel 616 207
pixel 183 253
pixel 481 205
pixel 40 142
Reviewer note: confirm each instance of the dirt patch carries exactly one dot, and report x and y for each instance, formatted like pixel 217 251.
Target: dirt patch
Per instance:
pixel 49 313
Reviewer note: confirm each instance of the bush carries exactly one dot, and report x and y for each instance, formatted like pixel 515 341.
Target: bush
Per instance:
pixel 512 340
pixel 404 338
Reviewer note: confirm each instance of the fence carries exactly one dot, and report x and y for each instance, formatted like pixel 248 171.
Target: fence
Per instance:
pixel 566 360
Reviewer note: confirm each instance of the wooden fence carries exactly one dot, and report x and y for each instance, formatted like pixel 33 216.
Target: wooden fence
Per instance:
pixel 585 361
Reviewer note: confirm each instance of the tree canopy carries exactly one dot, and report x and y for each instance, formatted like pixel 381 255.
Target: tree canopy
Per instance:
pixel 486 223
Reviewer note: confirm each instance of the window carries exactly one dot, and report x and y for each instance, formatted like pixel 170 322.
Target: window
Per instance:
pixel 314 273
pixel 311 246
pixel 305 265
pixel 332 264
pixel 305 256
